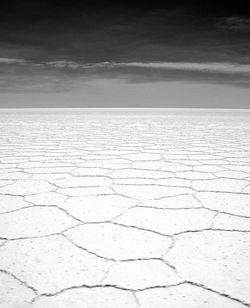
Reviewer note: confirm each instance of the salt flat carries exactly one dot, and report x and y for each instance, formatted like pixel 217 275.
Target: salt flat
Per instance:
pixel 124 208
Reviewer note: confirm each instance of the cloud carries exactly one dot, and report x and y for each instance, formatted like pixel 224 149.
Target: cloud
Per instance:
pixel 12 61
pixel 75 65
pixel 190 66
pixel 234 23
pixel 17 75
pixel 214 67
pixel 64 64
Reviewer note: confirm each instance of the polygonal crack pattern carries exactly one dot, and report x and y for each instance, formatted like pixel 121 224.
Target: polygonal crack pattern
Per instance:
pixel 124 210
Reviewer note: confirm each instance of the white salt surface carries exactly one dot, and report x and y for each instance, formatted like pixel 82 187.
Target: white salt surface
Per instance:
pixel 124 208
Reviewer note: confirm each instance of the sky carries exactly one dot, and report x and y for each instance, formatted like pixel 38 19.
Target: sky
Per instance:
pixel 58 53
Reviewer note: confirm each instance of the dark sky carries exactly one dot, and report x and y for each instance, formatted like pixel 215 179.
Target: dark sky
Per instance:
pixel 82 48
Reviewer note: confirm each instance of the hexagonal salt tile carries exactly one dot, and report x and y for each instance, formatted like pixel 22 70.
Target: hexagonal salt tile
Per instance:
pixel 119 243
pixel 34 221
pixel 51 264
pixel 216 259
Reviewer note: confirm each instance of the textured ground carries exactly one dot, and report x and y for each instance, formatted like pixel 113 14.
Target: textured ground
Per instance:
pixel 124 211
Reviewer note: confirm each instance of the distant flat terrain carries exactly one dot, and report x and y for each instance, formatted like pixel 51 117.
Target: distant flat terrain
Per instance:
pixel 124 208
